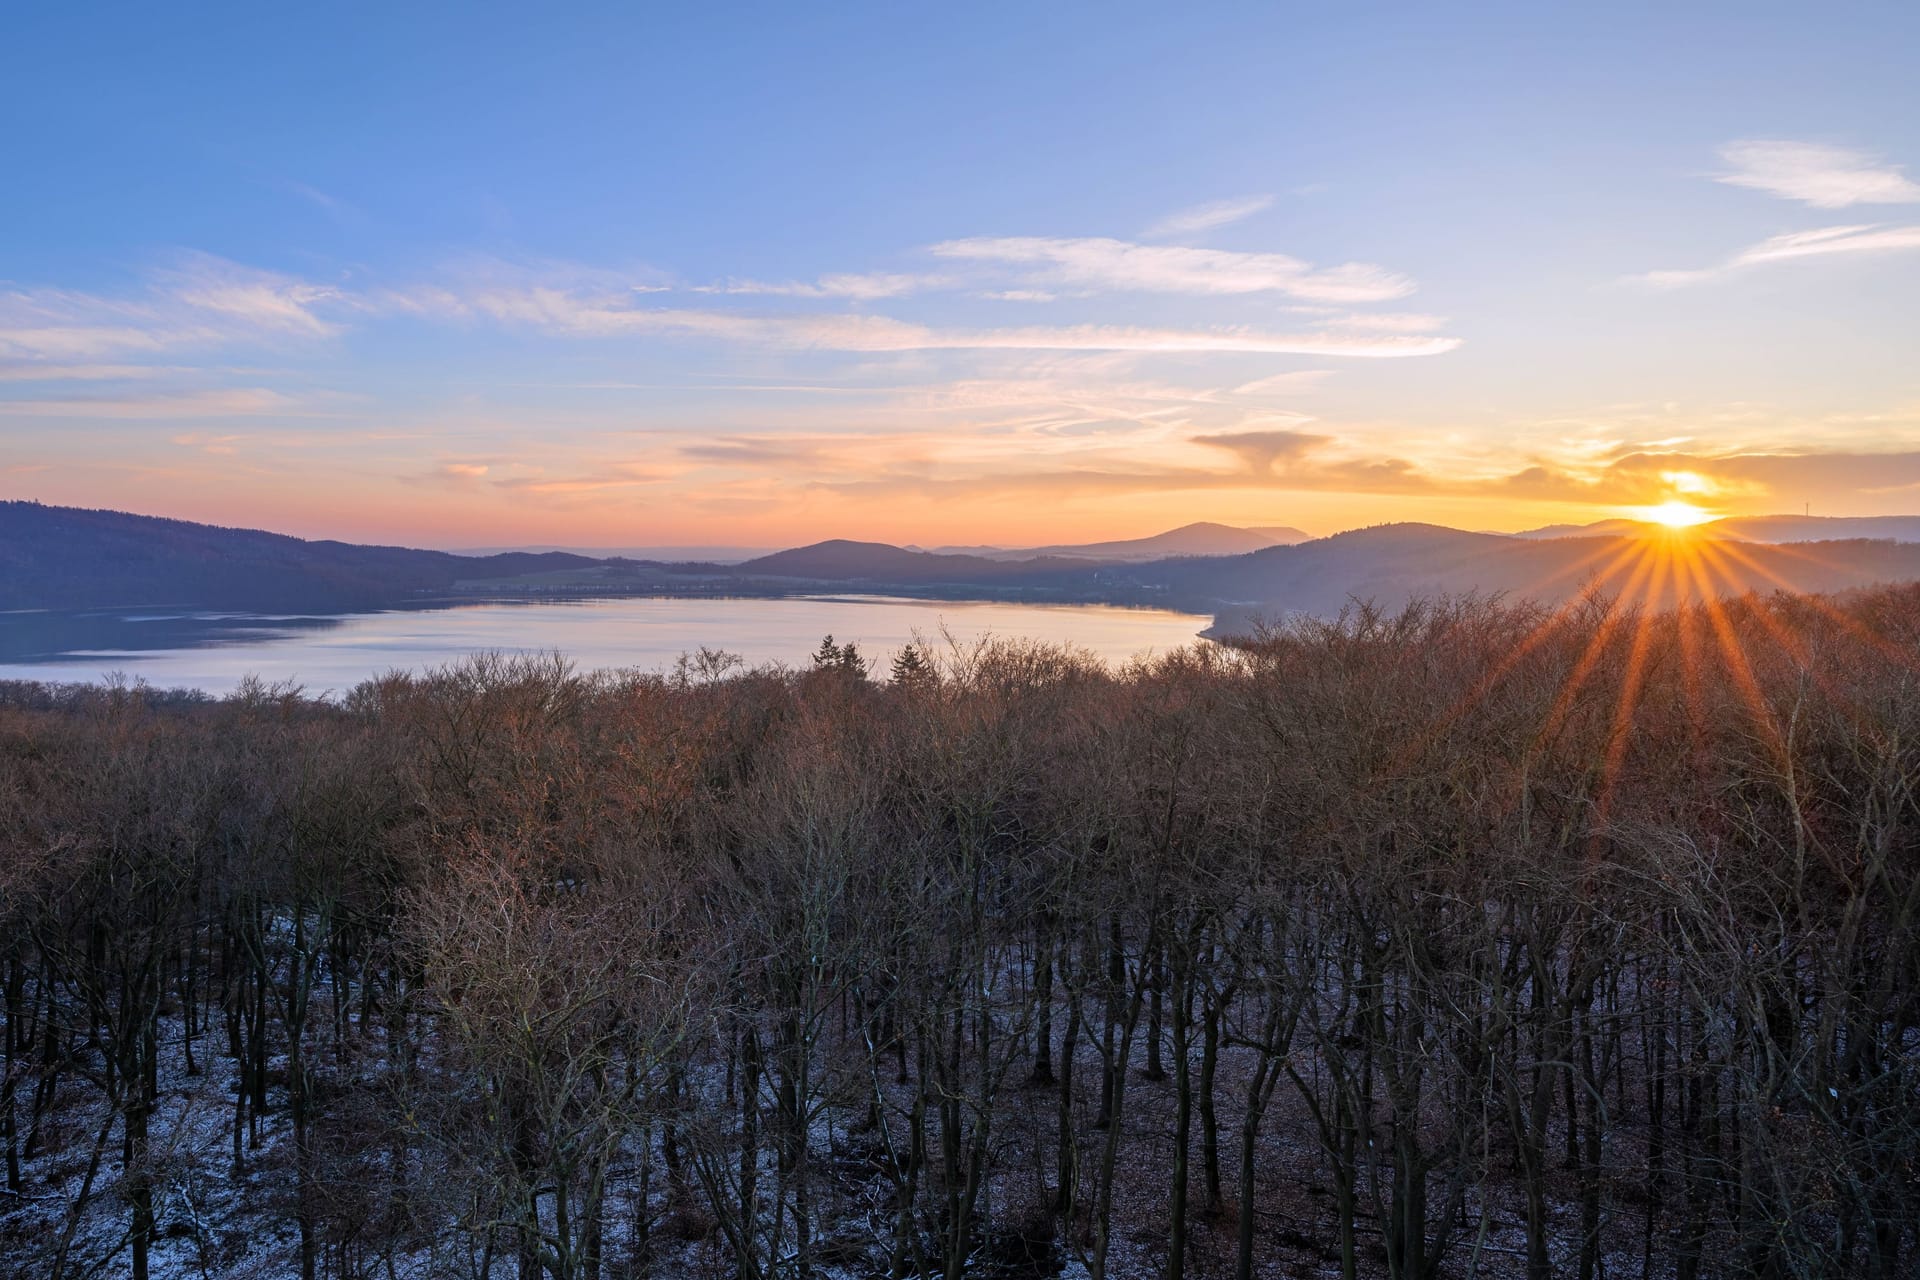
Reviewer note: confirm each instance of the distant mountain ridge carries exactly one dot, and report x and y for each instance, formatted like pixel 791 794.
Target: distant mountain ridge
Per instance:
pixel 63 558
pixel 1776 529
pixel 1391 565
pixel 1202 538
pixel 74 557
pixel 659 555
pixel 840 560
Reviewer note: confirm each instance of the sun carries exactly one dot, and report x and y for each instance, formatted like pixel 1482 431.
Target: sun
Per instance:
pixel 1675 514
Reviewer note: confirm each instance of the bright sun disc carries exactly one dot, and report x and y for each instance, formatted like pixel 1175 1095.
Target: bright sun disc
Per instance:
pixel 1675 514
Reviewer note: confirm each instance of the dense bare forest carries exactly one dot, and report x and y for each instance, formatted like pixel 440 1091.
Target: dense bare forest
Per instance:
pixel 1472 939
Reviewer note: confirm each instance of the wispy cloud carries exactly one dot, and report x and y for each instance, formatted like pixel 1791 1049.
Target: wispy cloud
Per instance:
pixel 195 300
pixel 1299 380
pixel 1115 338
pixel 64 325
pixel 1831 240
pixel 1822 176
pixel 1205 217
pixel 1643 477
pixel 1268 461
pixel 33 371
pixel 608 476
pixel 1019 295
pixel 206 443
pixel 1263 451
pixel 218 403
pixel 1794 245
pixel 603 315
pixel 1291 460
pixel 1098 263
pixel 263 299
pixel 198 299
pixel 754 451
pixel 347 215
pixel 1388 321
pixel 451 474
pixel 853 287
pixel 469 286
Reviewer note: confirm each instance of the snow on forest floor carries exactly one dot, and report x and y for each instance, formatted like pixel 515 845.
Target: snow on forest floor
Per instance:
pixel 208 1223
pixel 212 1225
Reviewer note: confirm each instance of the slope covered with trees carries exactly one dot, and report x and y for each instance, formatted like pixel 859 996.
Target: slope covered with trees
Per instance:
pixel 1391 565
pixel 70 557
pixel 1202 538
pixel 1461 940
pixel 60 558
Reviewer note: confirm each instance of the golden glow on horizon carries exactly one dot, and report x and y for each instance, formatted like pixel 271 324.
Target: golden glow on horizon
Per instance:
pixel 783 503
pixel 1676 514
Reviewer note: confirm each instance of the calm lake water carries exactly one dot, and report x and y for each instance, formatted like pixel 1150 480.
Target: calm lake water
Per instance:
pixel 215 652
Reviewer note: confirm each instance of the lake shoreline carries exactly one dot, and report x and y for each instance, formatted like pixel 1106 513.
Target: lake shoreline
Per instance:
pixel 170 646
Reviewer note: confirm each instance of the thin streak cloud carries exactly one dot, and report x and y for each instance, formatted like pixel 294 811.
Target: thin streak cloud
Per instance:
pixel 223 403
pixel 854 287
pixel 1794 245
pixel 1822 176
pixel 1206 217
pixel 603 316
pixel 1099 263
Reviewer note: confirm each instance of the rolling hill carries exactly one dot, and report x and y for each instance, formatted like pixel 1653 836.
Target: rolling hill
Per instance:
pixel 55 558
pixel 1203 538
pixel 1392 564
pixel 881 563
pixel 75 558
pixel 1777 529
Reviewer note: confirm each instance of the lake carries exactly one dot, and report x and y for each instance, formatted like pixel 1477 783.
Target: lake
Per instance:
pixel 215 651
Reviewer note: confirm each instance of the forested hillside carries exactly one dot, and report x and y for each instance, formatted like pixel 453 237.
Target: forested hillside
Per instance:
pixel 1392 564
pixel 54 558
pixel 68 557
pixel 1466 940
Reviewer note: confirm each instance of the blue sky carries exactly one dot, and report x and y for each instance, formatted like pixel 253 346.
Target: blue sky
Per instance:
pixel 604 276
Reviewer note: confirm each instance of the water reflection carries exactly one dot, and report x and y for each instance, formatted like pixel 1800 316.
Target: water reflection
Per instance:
pixel 214 651
pixel 52 637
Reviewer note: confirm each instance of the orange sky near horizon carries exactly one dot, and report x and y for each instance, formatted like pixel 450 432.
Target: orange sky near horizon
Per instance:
pixel 470 516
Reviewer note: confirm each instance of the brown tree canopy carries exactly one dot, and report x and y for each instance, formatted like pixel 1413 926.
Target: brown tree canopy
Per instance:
pixel 1467 939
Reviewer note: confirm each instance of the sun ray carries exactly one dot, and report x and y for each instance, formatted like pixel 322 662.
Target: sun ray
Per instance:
pixel 1717 558
pixel 1613 550
pixel 1820 603
pixel 1739 555
pixel 1590 658
pixel 1621 733
pixel 1794 646
pixel 1535 635
pixel 1687 622
pixel 1737 666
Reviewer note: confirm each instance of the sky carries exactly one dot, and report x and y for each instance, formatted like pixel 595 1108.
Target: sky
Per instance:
pixel 618 275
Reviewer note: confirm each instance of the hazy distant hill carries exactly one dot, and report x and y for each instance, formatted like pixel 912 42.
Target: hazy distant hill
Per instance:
pixel 1780 529
pixel 1819 528
pixel 1392 564
pixel 71 558
pixel 67 558
pixel 881 563
pixel 1203 538
pixel 1388 564
pixel 655 555
pixel 1598 529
